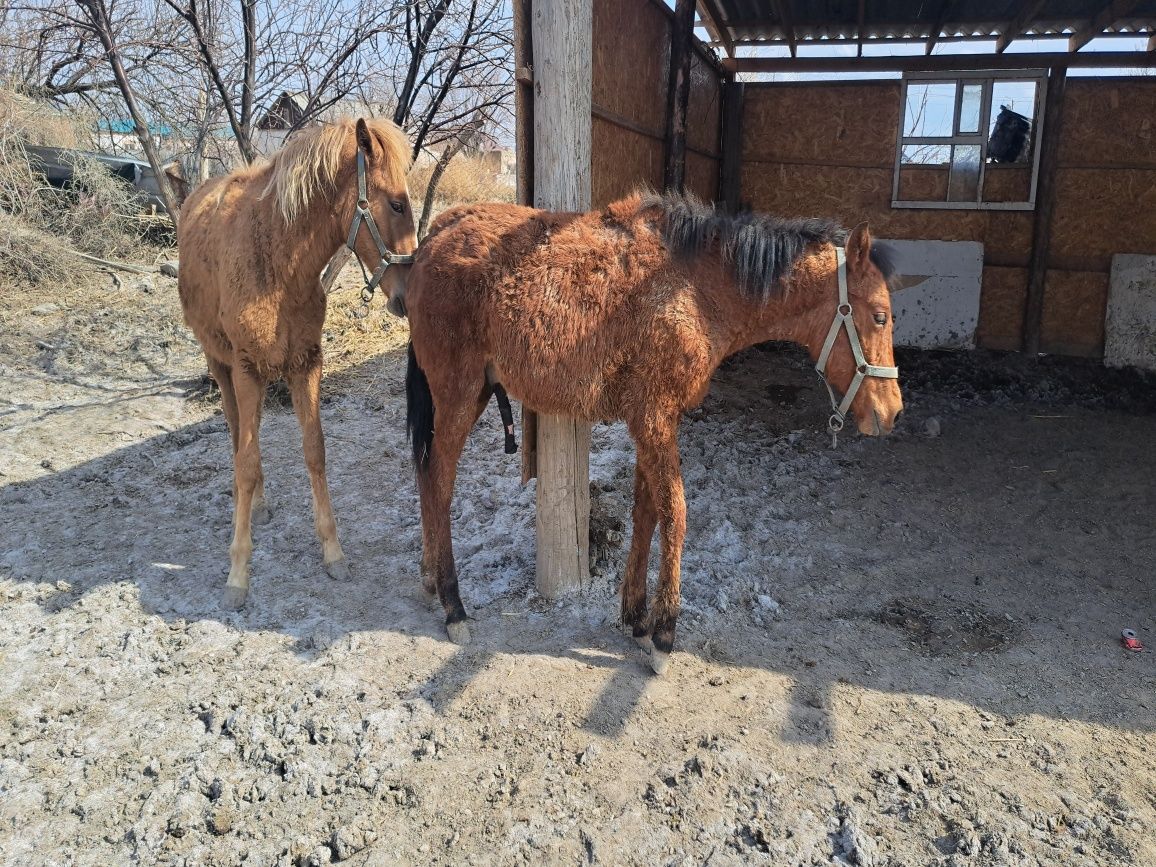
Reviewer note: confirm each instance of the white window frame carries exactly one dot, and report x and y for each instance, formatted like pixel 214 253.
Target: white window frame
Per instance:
pixel 987 78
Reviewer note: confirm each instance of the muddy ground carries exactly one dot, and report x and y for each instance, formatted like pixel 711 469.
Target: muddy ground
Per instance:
pixel 900 652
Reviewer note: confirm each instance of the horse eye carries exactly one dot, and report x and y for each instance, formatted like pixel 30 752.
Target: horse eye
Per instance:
pixel 398 207
pixel 880 318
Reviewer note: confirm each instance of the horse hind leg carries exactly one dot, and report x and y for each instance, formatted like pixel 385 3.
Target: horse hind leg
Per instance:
pixel 223 374
pixel 305 388
pixel 428 567
pixel 658 456
pixel 249 393
pixel 633 589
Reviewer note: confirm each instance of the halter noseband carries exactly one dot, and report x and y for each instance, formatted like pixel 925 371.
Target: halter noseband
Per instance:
pixel 361 214
pixel 844 320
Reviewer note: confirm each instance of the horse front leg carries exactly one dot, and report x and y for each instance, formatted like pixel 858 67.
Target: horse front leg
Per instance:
pixel 658 456
pixel 634 579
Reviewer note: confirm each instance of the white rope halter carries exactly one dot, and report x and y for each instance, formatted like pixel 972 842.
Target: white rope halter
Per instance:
pixel 361 215
pixel 844 320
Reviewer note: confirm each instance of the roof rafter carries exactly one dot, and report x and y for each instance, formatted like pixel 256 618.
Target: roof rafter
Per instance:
pixel 715 28
pixel 862 19
pixel 1110 12
pixel 782 11
pixel 1027 11
pixel 945 7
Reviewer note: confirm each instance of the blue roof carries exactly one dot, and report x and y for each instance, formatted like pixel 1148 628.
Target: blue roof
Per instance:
pixel 123 126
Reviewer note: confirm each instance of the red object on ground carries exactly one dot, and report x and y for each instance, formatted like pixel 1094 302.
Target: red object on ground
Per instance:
pixel 1129 640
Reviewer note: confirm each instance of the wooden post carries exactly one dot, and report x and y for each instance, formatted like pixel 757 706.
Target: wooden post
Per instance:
pixel 678 95
pixel 731 170
pixel 1049 141
pixel 562 33
pixel 524 145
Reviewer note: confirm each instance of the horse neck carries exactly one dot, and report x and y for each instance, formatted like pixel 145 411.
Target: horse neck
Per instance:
pixel 303 248
pixel 791 314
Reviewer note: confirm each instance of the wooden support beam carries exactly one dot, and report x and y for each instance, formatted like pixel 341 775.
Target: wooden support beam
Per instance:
pixel 524 101
pixel 1110 12
pixel 716 28
pixel 524 148
pixel 1049 142
pixel 1023 19
pixel 783 13
pixel 731 170
pixel 945 7
pixel 677 96
pixel 562 34
pixel 860 22
pixel 941 62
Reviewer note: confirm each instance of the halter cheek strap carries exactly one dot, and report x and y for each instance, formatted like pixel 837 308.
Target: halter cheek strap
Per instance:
pixel 845 321
pixel 362 214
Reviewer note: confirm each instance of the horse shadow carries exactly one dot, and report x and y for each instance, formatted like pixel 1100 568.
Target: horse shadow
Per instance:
pixel 821 569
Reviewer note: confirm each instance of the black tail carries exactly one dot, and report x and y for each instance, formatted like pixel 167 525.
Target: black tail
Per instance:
pixel 507 414
pixel 419 413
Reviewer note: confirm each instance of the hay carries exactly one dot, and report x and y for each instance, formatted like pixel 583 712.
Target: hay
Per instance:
pixel 99 214
pixel 30 255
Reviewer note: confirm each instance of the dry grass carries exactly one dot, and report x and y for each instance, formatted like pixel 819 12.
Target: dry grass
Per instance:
pixel 466 180
pixel 357 333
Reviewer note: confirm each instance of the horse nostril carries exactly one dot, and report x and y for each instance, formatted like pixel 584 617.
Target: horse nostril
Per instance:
pixel 895 418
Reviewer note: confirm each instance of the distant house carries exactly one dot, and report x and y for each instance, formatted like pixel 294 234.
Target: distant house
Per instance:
pixel 285 112
pixel 118 136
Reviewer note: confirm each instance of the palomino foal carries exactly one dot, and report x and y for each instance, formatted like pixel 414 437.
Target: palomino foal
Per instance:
pixel 624 314
pixel 253 245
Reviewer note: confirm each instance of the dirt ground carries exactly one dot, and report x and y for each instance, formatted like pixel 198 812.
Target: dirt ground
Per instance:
pixel 899 652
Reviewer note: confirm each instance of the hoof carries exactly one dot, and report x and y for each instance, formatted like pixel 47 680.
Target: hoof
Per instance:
pixel 459 632
pixel 658 661
pixel 233 599
pixel 646 643
pixel 338 570
pixel 261 514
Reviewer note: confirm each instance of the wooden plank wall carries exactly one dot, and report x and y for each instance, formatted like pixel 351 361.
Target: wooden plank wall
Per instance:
pixel 631 69
pixel 829 149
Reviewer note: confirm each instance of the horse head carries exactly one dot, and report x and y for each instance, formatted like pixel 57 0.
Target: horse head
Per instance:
pixel 856 355
pixel 380 218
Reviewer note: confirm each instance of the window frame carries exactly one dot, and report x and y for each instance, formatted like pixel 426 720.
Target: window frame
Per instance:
pixel 986 78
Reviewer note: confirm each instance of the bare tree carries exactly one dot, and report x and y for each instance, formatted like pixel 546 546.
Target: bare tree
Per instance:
pixel 299 45
pixel 46 54
pixel 455 68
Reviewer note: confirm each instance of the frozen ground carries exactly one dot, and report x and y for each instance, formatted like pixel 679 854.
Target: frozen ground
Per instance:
pixel 902 652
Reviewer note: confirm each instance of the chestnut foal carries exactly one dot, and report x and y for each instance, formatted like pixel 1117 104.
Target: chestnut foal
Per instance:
pixel 253 245
pixel 625 313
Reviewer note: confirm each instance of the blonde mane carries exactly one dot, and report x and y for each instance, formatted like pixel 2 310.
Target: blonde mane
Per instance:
pixel 310 161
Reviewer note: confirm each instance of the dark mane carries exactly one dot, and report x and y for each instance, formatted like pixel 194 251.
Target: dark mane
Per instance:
pixel 761 249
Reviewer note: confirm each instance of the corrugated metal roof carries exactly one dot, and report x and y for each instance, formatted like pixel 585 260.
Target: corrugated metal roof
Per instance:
pixel 816 21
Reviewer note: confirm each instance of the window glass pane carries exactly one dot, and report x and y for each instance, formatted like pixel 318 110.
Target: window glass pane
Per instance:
pixel 930 109
pixel 964 183
pixel 969 107
pixel 926 155
pixel 1010 127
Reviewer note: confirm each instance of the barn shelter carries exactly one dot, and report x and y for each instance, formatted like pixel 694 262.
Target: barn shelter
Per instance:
pixel 1008 147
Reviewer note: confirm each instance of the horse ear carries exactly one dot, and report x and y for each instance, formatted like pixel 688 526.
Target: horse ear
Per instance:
pixel 859 249
pixel 364 139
